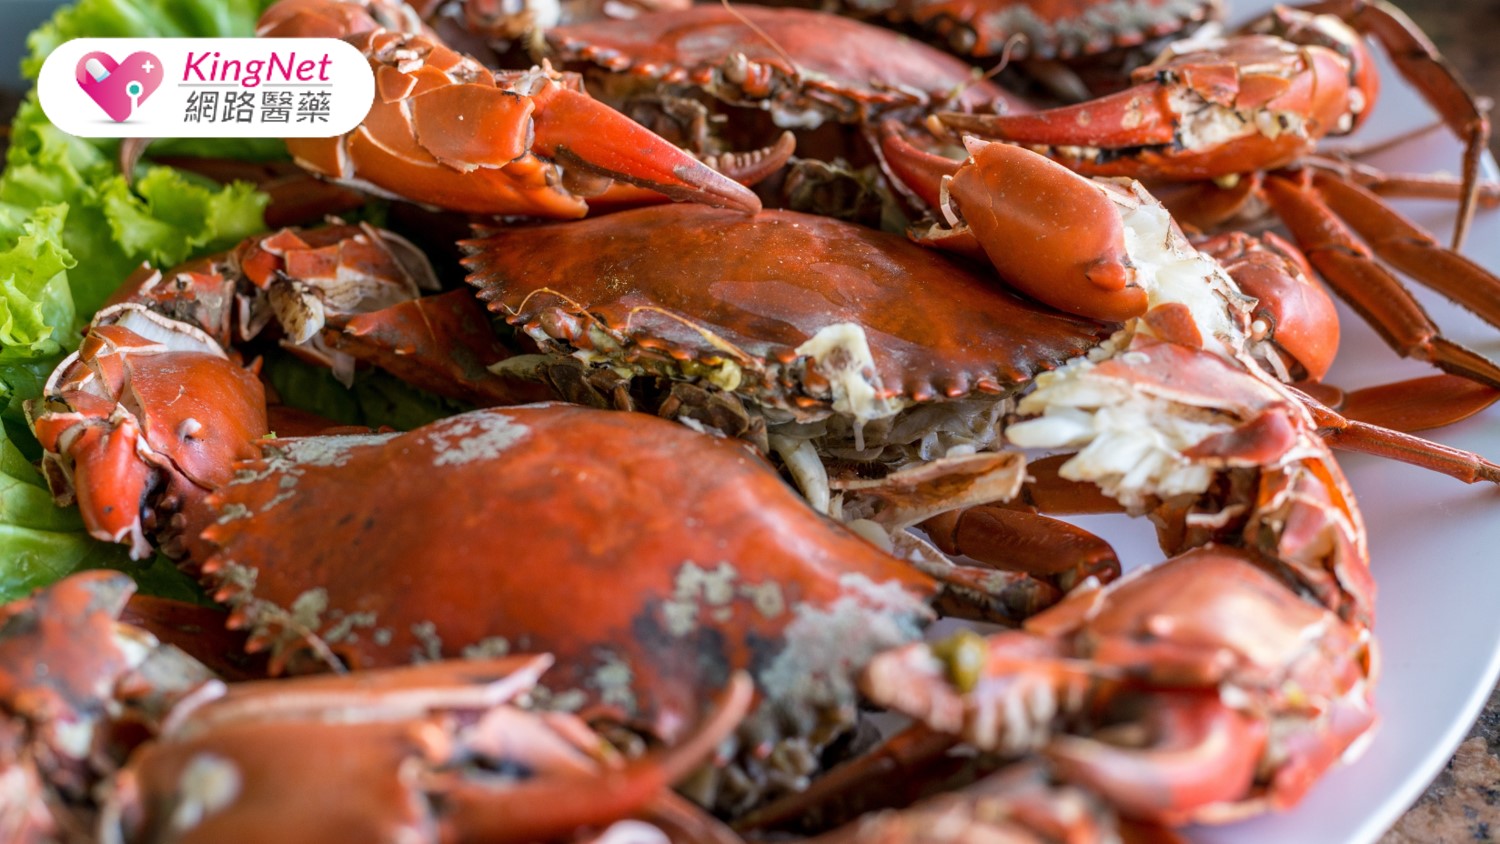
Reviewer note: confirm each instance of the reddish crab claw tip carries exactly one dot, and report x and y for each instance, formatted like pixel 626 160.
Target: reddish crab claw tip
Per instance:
pixel 578 130
pixel 715 189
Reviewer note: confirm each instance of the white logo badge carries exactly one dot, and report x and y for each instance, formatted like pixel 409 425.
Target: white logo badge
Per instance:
pixel 206 87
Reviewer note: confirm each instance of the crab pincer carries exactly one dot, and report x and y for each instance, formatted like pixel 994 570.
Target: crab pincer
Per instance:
pixel 448 132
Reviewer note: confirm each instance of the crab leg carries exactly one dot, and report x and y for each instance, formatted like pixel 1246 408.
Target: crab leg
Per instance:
pixel 446 131
pixel 548 809
pixel 1417 59
pixel 1417 404
pixel 1349 267
pixel 1017 540
pixel 1408 248
pixel 1342 432
pixel 442 344
pixel 1406 185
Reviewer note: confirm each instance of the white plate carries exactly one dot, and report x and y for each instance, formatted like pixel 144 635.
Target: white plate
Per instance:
pixel 1435 543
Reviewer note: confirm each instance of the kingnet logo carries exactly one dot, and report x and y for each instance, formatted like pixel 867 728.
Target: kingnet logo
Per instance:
pixel 206 87
pixel 119 87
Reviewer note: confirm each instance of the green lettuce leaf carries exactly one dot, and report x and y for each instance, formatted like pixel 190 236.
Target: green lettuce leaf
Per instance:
pixel 41 542
pixel 36 305
pixel 38 321
pixel 376 399
pixel 111 227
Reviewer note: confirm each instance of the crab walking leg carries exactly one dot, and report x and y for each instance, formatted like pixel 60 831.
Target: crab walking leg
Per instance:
pixel 1417 404
pixel 1017 540
pixel 1342 432
pixel 443 344
pixel 1351 270
pixel 1405 185
pixel 1417 59
pixel 1405 246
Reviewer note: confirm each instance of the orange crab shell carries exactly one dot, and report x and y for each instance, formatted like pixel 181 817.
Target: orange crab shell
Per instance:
pixel 1062 29
pixel 748 53
pixel 652 561
pixel 751 290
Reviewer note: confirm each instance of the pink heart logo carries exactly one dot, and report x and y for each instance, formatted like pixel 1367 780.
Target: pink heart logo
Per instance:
pixel 119 87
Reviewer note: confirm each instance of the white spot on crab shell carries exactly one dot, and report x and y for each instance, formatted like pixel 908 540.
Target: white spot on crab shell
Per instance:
pixel 331 451
pixel 699 591
pixel 693 587
pixel 826 645
pixel 209 783
pixel 426 635
pixel 488 648
pixel 474 436
pixel 766 597
pixel 632 832
pixel 73 738
pixel 841 354
pixel 613 678
pixel 233 512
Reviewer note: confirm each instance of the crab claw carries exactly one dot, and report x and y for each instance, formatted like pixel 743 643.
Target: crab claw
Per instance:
pixel 1293 313
pixel 1053 235
pixel 142 421
pixel 1199 753
pixel 109 479
pixel 575 129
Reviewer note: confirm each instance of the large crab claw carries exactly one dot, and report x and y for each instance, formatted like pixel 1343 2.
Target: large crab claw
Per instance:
pixel 147 406
pixel 1102 250
pixel 425 753
pixel 1176 714
pixel 446 131
pixel 575 129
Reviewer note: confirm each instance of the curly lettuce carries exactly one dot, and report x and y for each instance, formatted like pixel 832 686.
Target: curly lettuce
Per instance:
pixel 71 228
pixel 166 217
pixel 42 542
pixel 376 399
